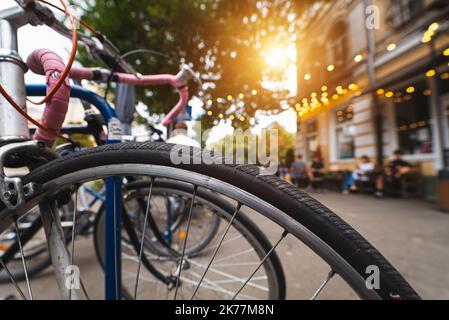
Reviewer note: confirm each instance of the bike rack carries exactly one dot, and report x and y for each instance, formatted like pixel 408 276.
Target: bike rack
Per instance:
pixel 112 262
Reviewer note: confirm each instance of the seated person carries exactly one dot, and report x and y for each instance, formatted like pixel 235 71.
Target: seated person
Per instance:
pixel 299 173
pixel 283 171
pixel 393 174
pixel 364 168
pixel 316 171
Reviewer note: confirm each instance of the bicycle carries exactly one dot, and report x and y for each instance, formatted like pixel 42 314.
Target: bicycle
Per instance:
pixel 91 201
pixel 296 215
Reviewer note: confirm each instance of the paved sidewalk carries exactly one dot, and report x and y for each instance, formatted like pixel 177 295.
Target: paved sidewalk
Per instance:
pixel 412 235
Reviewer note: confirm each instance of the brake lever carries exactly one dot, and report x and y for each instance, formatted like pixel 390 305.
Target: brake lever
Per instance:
pixel 99 46
pixel 35 13
pixel 106 51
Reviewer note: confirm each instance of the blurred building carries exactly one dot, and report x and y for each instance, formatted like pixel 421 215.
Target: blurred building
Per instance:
pixel 370 91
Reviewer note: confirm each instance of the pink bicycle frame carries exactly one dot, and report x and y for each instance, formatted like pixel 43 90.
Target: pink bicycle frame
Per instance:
pixel 178 81
pixel 48 63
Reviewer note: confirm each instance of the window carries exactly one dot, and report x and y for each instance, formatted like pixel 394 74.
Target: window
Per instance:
pixel 446 115
pixel 337 45
pixel 345 133
pixel 312 139
pixel 402 11
pixel 413 120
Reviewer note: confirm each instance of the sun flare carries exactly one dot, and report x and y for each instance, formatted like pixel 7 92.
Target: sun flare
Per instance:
pixel 279 56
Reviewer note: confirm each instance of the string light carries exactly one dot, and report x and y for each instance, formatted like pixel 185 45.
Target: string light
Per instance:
pixel 209 113
pixel 391 46
pixel 221 116
pixel 219 100
pixel 434 26
pixel 430 32
pixel 232 118
pixel 410 89
pixel 209 102
pixel 254 92
pixel 230 98
pixel 426 39
pixel 431 73
pixel 241 95
pixel 353 87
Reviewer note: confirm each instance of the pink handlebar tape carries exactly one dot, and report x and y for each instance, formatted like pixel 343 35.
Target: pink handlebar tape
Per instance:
pixel 47 63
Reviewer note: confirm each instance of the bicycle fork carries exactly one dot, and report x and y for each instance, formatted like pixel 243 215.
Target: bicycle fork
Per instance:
pixel 64 271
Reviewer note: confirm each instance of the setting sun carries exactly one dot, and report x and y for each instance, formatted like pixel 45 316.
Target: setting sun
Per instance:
pixel 279 56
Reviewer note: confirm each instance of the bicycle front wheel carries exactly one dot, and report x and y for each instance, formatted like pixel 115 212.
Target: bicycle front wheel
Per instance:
pixel 293 213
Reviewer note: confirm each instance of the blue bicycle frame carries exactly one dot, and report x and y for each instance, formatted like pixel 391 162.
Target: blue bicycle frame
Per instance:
pixel 112 263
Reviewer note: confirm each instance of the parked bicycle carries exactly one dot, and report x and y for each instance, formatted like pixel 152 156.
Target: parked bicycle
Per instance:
pixel 240 263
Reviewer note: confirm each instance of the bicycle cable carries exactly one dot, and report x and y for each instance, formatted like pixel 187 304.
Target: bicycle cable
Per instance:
pixel 58 85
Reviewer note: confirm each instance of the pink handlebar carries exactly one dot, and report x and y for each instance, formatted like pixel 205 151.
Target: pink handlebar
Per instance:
pixel 45 62
pixel 182 103
pixel 177 81
pixel 48 63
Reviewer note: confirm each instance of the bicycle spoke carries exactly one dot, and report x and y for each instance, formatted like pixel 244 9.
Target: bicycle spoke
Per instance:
pixel 72 254
pixel 14 282
pixel 213 286
pixel 235 255
pixel 239 206
pixel 25 269
pixel 284 235
pixel 323 285
pixel 224 243
pixel 143 237
pixel 195 189
pixel 230 276
pixel 261 278
pixel 83 288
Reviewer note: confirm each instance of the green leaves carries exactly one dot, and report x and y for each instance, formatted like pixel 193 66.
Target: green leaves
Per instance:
pixel 222 39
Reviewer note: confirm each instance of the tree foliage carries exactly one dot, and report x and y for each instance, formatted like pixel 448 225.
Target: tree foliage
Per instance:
pixel 223 40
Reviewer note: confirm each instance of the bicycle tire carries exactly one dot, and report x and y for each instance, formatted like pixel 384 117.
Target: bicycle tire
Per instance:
pixel 351 249
pixel 241 218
